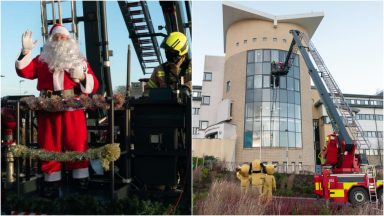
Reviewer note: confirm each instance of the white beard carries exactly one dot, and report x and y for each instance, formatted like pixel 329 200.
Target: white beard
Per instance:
pixel 62 55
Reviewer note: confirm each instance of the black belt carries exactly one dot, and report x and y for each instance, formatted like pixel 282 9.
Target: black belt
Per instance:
pixel 62 93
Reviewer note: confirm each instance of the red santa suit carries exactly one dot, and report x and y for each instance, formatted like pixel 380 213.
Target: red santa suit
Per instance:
pixel 58 131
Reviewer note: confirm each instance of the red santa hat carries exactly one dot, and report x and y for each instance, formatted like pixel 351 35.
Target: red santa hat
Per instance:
pixel 58 28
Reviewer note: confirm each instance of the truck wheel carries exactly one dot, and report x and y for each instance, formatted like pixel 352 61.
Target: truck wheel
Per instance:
pixel 380 195
pixel 358 196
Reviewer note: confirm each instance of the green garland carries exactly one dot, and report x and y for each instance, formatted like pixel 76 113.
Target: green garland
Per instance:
pixel 58 104
pixel 106 154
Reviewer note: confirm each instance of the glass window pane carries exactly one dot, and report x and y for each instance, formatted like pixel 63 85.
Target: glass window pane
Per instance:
pixel 290 72
pixel 298 125
pixel 258 68
pixel 267 55
pixel 250 69
pixel 296 72
pixel 275 108
pixel 266 94
pixel 283 109
pixel 256 135
pixel 257 110
pixel 296 60
pixel 292 137
pixel 282 55
pixel 266 68
pixel 291 110
pixel 275 138
pixel 298 140
pixel 283 124
pixel 249 110
pixel 297 112
pixel 257 94
pixel 266 139
pixel 266 109
pixel 266 82
pixel 249 96
pixel 258 82
pixel 266 123
pixel 297 97
pixel 283 139
pixel 251 56
pixel 258 56
pixel 283 96
pixel 275 123
pixel 291 124
pixel 291 97
pixel 290 83
pixel 283 82
pixel 297 85
pixel 250 82
pixel 275 56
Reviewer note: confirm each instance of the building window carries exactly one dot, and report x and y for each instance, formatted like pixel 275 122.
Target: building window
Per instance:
pixel 254 40
pixel 237 43
pixel 275 40
pixel 203 125
pixel 284 40
pixel 228 86
pixel 245 41
pixel 196 93
pixel 195 111
pixel 195 130
pixel 264 38
pixel 206 100
pixel 207 76
pixel 272 116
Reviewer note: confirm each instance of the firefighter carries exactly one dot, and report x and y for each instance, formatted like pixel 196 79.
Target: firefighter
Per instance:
pixel 257 176
pixel 60 70
pixel 177 70
pixel 242 174
pixel 269 182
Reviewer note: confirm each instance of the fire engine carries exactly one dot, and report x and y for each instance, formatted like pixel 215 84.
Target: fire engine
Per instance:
pixel 345 175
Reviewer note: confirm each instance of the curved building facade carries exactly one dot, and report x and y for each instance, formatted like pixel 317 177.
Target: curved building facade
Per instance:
pixel 273 124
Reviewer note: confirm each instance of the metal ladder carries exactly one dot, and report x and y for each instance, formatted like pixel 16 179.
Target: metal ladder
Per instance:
pixel 372 190
pixel 45 23
pixel 139 24
pixel 345 112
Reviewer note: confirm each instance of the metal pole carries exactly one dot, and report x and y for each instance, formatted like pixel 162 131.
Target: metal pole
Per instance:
pixel 18 142
pixel 53 12
pixel 59 10
pixel 105 49
pixel 128 115
pixel 261 131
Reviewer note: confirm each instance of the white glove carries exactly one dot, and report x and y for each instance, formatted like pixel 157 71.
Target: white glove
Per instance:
pixel 27 43
pixel 77 73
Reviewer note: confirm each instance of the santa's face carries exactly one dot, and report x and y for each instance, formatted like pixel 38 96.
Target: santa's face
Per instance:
pixel 60 37
pixel 61 53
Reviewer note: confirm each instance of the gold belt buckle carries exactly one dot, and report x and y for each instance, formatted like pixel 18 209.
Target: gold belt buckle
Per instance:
pixel 48 93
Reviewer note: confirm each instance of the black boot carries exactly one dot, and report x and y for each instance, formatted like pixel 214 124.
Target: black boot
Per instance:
pixel 81 184
pixel 51 190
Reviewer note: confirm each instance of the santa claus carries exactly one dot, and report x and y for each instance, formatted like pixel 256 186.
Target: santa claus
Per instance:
pixel 61 70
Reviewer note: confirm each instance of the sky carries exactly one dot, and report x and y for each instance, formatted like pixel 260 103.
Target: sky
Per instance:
pixel 19 16
pixel 349 38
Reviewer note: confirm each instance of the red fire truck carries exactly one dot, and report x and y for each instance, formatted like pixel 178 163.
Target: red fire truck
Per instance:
pixel 345 175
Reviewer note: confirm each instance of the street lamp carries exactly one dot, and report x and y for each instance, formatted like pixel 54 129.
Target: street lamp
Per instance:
pixel 20 86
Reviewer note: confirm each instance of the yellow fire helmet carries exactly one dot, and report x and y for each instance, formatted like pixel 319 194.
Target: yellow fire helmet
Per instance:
pixel 176 41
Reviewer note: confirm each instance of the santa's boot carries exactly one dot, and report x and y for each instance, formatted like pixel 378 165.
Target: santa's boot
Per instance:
pixel 81 184
pixel 51 185
pixel 51 190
